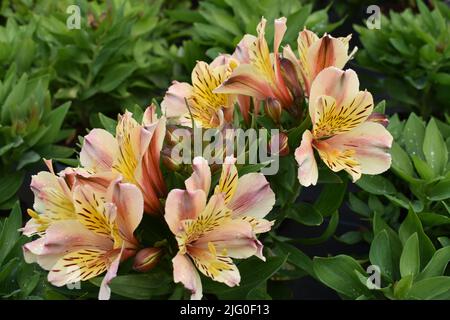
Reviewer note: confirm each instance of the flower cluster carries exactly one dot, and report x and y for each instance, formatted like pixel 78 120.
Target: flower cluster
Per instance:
pixel 84 219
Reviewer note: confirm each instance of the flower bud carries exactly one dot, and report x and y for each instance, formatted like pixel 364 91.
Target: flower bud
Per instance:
pixel 273 109
pixel 278 144
pixel 175 134
pixel 379 118
pixel 291 79
pixel 147 259
pixel 168 160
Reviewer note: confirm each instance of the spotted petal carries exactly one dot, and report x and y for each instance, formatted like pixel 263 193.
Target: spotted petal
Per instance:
pixel 343 86
pixel 362 150
pixel 183 205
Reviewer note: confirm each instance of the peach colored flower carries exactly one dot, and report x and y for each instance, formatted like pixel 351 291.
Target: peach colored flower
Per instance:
pixel 93 238
pixel 134 154
pixel 316 54
pixel 211 233
pixel 343 133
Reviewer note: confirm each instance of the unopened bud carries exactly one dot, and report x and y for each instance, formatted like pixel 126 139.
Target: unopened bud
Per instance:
pixel 174 134
pixel 278 144
pixel 291 78
pixel 379 118
pixel 273 109
pixel 168 159
pixel 147 259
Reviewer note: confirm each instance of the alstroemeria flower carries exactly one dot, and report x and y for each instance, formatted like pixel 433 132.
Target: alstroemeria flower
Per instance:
pixel 134 154
pixel 261 77
pixel 94 239
pixel 208 109
pixel 210 234
pixel 316 54
pixel 343 133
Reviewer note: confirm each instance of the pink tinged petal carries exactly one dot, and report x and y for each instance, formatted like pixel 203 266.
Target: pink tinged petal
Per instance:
pixel 253 197
pixel 246 80
pixel 228 179
pixel 32 227
pixel 79 265
pixel 130 207
pixel 220 60
pixel 201 176
pixel 280 30
pixel 49 164
pixel 234 238
pixel 81 177
pixel 65 235
pixel 148 173
pixel 150 115
pixel 183 205
pixel 216 266
pixel 174 103
pixel 244 103
pixel 99 150
pixel 105 290
pixel 343 86
pixel 371 143
pixel 242 50
pixel 280 87
pixel 184 271
pixel 51 194
pixel 326 52
pixel 308 173
pixel 259 225
pixel 61 238
pixel 379 118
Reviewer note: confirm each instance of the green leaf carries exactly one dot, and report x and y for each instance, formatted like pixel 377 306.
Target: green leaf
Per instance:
pixel 296 22
pixel 28 158
pixel 402 287
pixel 382 254
pixel 437 265
pixel 423 168
pixel 439 191
pixel 10 234
pixel 358 206
pixel 330 198
pixel 401 162
pixel 9 184
pixel 412 225
pixel 108 123
pixel 350 237
pixel 296 257
pixel 377 185
pixel 410 258
pixel 140 286
pixel 339 274
pixel 442 78
pixel 434 148
pixel 413 136
pixel 431 219
pixel 253 273
pixel 380 107
pixel 295 134
pixel 115 76
pixel 328 176
pixel 55 120
pixel 431 288
pixel 329 231
pixel 305 214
